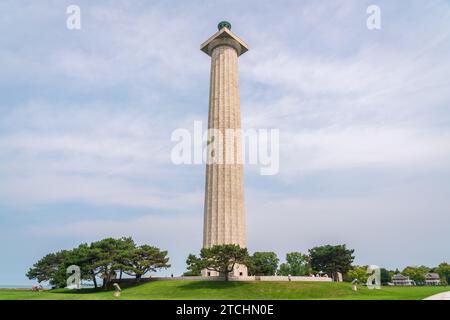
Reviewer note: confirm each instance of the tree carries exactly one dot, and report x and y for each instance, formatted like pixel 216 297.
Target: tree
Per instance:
pixel 416 273
pixel 360 273
pixel 83 257
pixel 138 261
pixel 331 259
pixel 219 258
pixel 444 272
pixel 194 266
pixel 53 267
pixel 50 268
pixel 100 259
pixel 386 275
pixel 297 264
pixel 263 264
pixel 107 255
pixel 357 272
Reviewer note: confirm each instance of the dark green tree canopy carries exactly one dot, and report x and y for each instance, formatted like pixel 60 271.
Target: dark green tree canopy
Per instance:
pixel 297 264
pixel 219 258
pixel 444 272
pixel 140 260
pixel 263 264
pixel 331 259
pixel 101 259
pixel 194 266
pixel 50 269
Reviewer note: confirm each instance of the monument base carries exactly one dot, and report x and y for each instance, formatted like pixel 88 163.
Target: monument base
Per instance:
pixel 239 271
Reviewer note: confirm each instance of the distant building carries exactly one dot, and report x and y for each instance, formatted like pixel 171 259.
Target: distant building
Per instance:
pixel 401 280
pixel 432 279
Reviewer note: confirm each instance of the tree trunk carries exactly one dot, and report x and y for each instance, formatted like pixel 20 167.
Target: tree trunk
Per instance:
pixel 94 280
pixel 227 271
pixel 106 278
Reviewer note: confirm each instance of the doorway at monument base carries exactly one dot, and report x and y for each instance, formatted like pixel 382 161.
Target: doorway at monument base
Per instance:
pixel 238 271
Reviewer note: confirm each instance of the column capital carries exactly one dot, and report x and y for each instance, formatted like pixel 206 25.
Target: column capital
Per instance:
pixel 224 37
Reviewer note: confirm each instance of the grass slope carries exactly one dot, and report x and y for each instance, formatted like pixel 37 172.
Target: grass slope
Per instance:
pixel 208 290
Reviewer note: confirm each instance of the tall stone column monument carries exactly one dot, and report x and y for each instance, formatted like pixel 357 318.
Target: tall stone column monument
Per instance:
pixel 224 215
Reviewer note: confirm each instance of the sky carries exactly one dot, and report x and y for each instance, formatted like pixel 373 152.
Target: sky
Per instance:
pixel 86 118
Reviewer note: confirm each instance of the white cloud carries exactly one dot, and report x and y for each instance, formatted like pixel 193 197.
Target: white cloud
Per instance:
pixel 394 227
pixel 364 147
pixel 93 155
pixel 64 188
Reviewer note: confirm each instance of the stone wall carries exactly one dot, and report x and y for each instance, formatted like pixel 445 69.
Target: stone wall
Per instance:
pixel 249 278
pixel 282 278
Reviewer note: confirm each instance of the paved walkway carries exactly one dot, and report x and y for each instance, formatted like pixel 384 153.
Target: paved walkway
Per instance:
pixel 440 296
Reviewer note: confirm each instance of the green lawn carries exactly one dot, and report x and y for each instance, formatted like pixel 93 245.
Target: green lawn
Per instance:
pixel 208 290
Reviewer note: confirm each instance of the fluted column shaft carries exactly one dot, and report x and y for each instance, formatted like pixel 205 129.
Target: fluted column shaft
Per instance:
pixel 224 216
